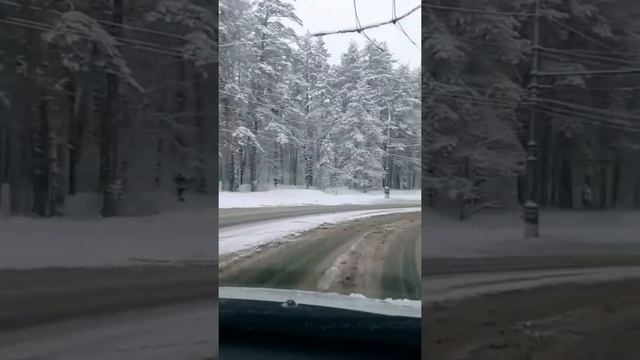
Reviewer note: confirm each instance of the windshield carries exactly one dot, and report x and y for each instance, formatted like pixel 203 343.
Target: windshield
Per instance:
pixel 532 187
pixel 319 137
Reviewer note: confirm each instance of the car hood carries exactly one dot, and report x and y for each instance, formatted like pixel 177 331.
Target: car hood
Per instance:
pixel 258 313
pixel 354 302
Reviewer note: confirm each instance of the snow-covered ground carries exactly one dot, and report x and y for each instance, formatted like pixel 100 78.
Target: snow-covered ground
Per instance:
pixel 174 237
pixel 562 233
pixel 247 237
pixel 288 196
pixel 61 242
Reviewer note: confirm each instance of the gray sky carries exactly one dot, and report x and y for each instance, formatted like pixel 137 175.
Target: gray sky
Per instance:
pixel 327 15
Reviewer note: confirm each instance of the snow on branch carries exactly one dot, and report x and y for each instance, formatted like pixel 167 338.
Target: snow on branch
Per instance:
pixel 201 43
pixel 86 43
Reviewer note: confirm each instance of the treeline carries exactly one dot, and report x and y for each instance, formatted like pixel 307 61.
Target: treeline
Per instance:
pixel 477 102
pixel 109 98
pixel 289 117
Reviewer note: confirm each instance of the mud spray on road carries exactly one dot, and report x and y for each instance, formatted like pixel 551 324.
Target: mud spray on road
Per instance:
pixel 377 257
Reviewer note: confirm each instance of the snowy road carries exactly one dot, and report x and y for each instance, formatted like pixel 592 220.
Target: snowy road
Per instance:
pixel 453 287
pixel 231 217
pixel 373 256
pixel 233 239
pixel 184 332
pixel 175 237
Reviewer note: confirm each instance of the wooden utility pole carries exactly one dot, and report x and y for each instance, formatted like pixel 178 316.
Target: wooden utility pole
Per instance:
pixel 531 208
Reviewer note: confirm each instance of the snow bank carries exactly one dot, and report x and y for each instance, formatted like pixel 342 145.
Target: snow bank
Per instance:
pixel 139 203
pixel 298 197
pixel 248 237
pixel 502 234
pixel 61 242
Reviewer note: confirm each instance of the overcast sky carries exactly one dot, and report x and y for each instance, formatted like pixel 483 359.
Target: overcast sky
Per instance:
pixel 327 15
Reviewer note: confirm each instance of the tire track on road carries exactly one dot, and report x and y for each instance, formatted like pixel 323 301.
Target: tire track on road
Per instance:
pixel 351 257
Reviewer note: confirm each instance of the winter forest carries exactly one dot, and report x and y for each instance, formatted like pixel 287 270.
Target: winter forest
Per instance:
pixel 479 97
pixel 106 100
pixel 289 117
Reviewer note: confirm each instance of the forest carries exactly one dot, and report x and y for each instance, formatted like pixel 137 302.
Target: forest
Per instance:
pixel 290 117
pixel 479 96
pixel 111 99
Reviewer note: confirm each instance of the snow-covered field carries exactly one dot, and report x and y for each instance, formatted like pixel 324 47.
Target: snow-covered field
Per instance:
pixel 247 237
pixel 296 196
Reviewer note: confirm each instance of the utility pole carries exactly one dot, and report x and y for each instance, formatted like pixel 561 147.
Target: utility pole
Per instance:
pixel 531 208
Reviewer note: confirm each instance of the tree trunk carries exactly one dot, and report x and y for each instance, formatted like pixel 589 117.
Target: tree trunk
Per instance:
pixel 243 164
pixel 57 192
pixel 157 179
pixel 5 154
pixel 109 179
pixel 615 184
pixel 566 190
pixel 604 200
pixel 40 151
pixel 75 133
pixel 636 192
pixel 544 158
pixel 253 160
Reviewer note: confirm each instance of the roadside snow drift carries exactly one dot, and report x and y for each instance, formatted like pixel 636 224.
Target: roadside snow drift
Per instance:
pixel 300 197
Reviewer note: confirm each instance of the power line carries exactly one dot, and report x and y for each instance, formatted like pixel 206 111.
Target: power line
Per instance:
pixel 596 117
pixel 48 27
pixel 476 11
pixel 463 39
pixel 621 71
pixel 104 22
pixel 119 41
pixel 601 52
pixel 590 109
pixel 585 36
pixel 586 56
pixel 565 59
pixel 488 101
pixel 479 88
pixel 355 11
pixel 594 120
pixel 399 25
pixel 596 88
pixel 370 26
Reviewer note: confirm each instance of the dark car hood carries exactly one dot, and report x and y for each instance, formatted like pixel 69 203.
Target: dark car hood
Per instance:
pixel 354 302
pixel 261 313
